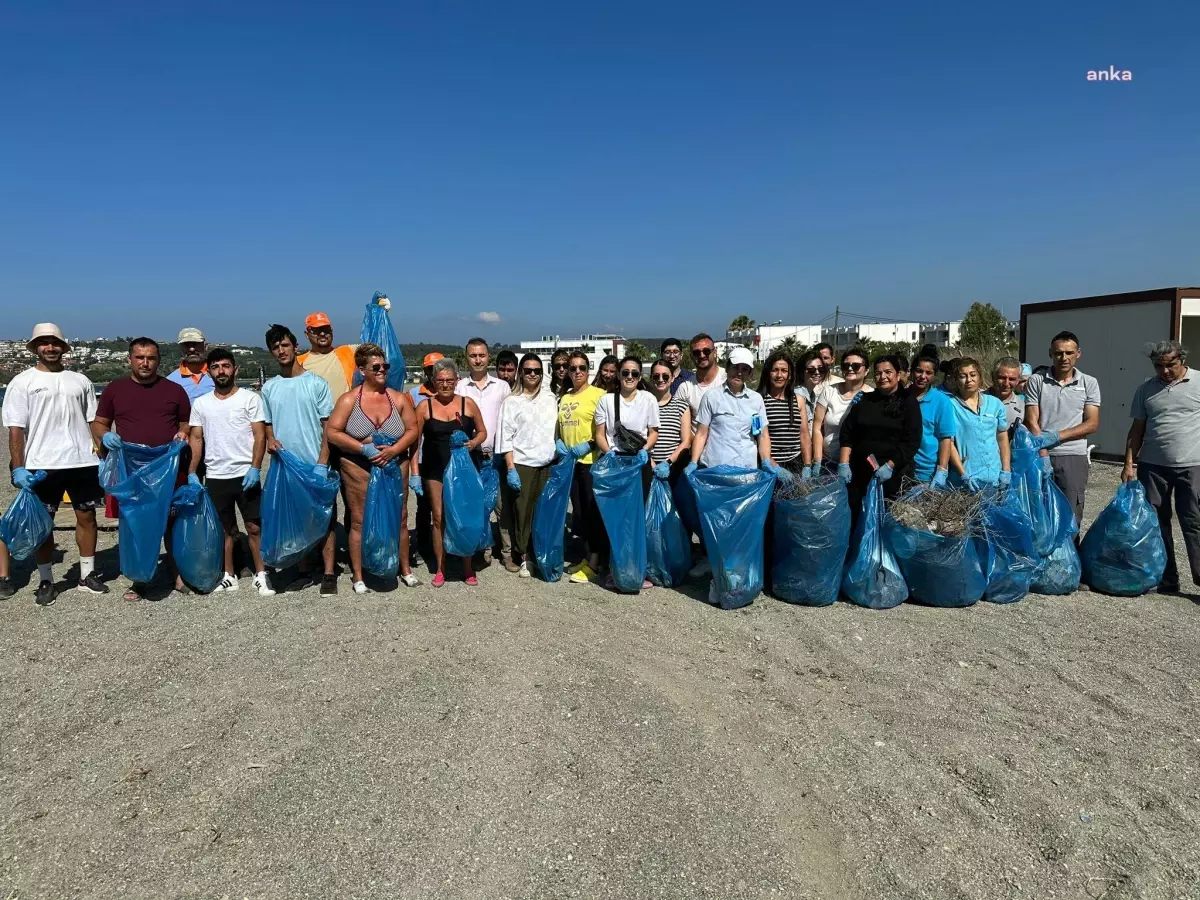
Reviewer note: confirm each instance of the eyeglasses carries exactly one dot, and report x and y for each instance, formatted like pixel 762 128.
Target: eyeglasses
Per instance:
pixel 442 382
pixel 854 367
pixel 707 352
pixel 536 373
pixel 379 367
pixel 631 373
pixel 660 379
pixel 579 368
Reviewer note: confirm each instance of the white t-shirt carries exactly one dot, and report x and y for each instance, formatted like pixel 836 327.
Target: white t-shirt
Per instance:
pixel 228 436
pixel 639 414
pixel 693 392
pixel 55 409
pixel 835 405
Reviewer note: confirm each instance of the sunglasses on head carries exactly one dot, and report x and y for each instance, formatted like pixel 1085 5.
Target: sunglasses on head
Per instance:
pixel 379 367
pixel 854 367
pixel 537 372
pixel 579 368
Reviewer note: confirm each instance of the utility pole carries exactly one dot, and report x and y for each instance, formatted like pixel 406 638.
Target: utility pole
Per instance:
pixel 837 314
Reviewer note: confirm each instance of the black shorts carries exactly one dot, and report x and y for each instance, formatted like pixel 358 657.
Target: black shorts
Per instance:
pixel 83 485
pixel 227 496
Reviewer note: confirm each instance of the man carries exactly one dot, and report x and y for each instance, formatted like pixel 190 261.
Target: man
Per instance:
pixel 488 392
pixel 708 374
pixel 1164 439
pixel 827 360
pixel 1062 407
pixel 425 388
pixel 229 433
pixel 506 367
pixel 192 374
pixel 334 364
pixel 296 404
pixel 144 408
pixel 671 353
pixel 1006 377
pixel 47 410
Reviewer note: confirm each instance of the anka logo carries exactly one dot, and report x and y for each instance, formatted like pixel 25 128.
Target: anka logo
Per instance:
pixel 1112 73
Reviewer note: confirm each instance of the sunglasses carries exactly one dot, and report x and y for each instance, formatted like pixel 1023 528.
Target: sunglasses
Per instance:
pixel 663 379
pixel 379 367
pixel 578 368
pixel 813 370
pixel 560 365
pixel 707 352
pixel 631 373
pixel 536 373
pixel 854 367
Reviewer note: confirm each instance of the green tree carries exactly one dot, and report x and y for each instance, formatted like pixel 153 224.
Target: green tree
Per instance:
pixel 792 349
pixel 741 323
pixel 983 329
pixel 640 350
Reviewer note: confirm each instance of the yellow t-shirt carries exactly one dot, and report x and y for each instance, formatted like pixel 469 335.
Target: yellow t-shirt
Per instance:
pixel 575 415
pixel 336 367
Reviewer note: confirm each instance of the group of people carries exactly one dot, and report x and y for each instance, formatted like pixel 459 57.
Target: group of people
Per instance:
pixel 888 419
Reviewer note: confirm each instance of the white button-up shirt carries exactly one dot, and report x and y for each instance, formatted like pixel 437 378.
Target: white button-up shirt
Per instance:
pixel 527 428
pixel 489 397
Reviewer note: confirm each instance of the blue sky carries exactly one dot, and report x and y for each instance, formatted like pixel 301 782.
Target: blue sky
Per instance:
pixel 650 168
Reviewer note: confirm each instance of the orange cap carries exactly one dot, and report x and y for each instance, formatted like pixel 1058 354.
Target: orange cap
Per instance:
pixel 431 358
pixel 317 320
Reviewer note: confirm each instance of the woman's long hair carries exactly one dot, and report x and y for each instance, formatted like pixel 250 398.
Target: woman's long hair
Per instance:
pixel 557 385
pixel 789 389
pixel 604 362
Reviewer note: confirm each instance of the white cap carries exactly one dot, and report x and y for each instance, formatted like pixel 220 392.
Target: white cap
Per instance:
pixel 47 329
pixel 190 336
pixel 741 356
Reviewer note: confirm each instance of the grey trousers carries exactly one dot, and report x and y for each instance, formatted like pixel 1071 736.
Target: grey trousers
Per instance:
pixel 1160 483
pixel 1071 476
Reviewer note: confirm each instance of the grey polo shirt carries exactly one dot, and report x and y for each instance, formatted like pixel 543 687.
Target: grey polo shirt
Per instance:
pixel 1172 414
pixel 1061 406
pixel 728 417
pixel 1014 407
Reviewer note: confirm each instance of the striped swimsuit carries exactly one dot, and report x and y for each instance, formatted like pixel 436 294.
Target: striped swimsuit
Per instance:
pixel 360 427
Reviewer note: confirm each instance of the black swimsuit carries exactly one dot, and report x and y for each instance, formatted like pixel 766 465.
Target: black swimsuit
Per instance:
pixel 435 445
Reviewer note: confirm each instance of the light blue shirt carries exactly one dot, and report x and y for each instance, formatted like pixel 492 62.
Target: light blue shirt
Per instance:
pixel 729 417
pixel 192 388
pixel 937 424
pixel 976 440
pixel 295 408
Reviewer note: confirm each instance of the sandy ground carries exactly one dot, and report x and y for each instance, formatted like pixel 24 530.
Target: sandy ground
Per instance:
pixel 524 740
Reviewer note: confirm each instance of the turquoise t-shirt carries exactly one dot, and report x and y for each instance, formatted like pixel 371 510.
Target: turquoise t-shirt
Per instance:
pixel 937 424
pixel 977 435
pixel 294 408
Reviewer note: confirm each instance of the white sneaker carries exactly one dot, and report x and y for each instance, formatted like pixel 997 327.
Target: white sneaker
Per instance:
pixel 524 572
pixel 263 585
pixel 700 569
pixel 228 585
pixel 360 588
pixel 410 580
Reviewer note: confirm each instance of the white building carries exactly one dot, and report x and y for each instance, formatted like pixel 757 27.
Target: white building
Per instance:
pixel 765 338
pixel 949 334
pixel 846 336
pixel 597 346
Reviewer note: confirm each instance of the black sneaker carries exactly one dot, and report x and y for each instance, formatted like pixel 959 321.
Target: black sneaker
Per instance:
pixel 92 585
pixel 328 585
pixel 301 582
pixel 6 588
pixel 46 594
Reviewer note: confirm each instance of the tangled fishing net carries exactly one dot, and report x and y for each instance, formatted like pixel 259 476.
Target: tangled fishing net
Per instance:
pixel 797 489
pixel 951 512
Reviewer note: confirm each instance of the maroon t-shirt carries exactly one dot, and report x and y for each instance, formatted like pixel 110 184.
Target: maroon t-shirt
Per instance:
pixel 145 413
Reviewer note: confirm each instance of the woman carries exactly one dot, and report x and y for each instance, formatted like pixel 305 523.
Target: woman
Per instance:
pixel 979 455
pixel 787 413
pixel 606 375
pixel 558 373
pixel 937 418
pixel 832 401
pixel 884 424
pixel 812 378
pixel 359 415
pixel 439 417
pixel 528 419
pixel 576 417
pixel 628 421
pixel 670 451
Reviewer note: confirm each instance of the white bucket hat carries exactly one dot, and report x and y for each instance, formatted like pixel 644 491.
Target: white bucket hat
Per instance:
pixel 47 329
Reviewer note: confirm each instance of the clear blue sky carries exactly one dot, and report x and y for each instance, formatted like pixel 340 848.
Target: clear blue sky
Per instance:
pixel 646 167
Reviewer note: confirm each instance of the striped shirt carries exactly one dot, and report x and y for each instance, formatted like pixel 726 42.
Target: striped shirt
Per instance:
pixel 670 421
pixel 784 422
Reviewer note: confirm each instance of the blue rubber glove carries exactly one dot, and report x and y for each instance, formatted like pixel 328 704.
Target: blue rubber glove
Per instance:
pixel 691 467
pixel 415 483
pixel 582 449
pixel 370 451
pixel 883 473
pixel 251 478
pixel 458 439
pixel 975 485
pixel 662 471
pixel 25 479
pixel 514 480
pixel 322 470
pixel 844 472
pixel 1047 466
pixel 939 478
pixel 111 441
pixel 561 449
pixel 643 458
pixel 1005 481
pixel 815 470
pixel 194 479
pixel 806 473
pixel 1046 440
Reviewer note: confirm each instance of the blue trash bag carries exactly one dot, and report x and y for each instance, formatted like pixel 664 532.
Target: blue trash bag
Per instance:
pixel 464 513
pixel 381 515
pixel 685 502
pixel 811 536
pixel 550 518
pixel 617 484
pixel 26 523
pixel 668 544
pixel 872 577
pixel 377 329
pixel 1011 557
pixel 1059 572
pixel 1027 473
pixel 198 539
pixel 144 491
pixel 297 504
pixel 733 504
pixel 1123 552
pixel 940 570
pixel 489 479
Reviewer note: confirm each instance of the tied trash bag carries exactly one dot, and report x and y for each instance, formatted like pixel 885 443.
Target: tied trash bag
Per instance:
pixel 733 504
pixel 297 503
pixel 146 483
pixel 940 569
pixel 1027 473
pixel 550 518
pixel 1012 559
pixel 617 483
pixel 462 501
pixel 811 534
pixel 26 523
pixel 668 545
pixel 1059 570
pixel 489 479
pixel 873 576
pixel 1123 552
pixel 381 515
pixel 197 540
pixel 377 329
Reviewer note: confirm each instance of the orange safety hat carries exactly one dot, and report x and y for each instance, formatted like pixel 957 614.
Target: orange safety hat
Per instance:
pixel 431 358
pixel 317 320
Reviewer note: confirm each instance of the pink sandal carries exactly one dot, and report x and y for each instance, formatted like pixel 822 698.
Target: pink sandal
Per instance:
pixel 438 580
pixel 472 580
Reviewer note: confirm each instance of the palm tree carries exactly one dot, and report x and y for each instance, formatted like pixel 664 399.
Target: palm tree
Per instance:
pixel 741 323
pixel 638 349
pixel 791 348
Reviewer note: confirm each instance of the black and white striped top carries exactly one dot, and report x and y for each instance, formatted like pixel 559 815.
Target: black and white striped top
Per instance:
pixel 784 422
pixel 669 434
